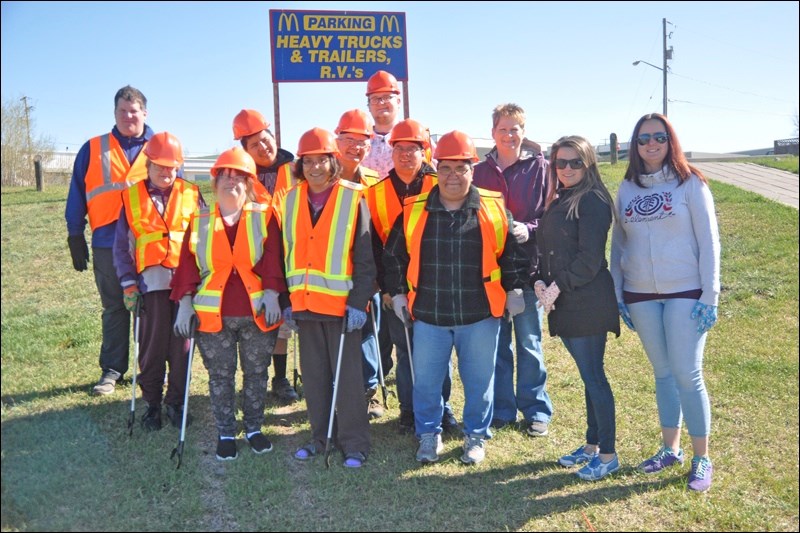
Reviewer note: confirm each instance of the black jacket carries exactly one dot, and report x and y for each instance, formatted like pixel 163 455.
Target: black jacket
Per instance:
pixel 573 254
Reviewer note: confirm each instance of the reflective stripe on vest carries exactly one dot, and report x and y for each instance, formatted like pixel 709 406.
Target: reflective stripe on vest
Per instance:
pixel 108 174
pixel 319 269
pixel 216 261
pixel 159 237
pixel 384 203
pixel 494 229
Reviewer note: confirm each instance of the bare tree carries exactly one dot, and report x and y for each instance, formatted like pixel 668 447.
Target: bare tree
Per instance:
pixel 20 144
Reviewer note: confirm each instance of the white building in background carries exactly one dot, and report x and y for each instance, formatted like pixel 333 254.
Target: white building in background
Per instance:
pixel 62 162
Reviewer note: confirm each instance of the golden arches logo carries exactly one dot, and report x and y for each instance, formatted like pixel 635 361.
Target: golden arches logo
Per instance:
pixel 288 20
pixel 389 23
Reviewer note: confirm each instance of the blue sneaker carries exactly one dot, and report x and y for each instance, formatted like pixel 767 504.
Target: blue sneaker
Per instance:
pixel 700 476
pixel 663 458
pixel 578 457
pixel 597 469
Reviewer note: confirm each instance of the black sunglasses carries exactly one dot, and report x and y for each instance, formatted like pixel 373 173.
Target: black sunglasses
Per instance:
pixel 574 164
pixel 644 138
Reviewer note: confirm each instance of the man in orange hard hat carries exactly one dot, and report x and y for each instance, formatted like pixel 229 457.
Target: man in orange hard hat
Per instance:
pixel 274 178
pixel 384 101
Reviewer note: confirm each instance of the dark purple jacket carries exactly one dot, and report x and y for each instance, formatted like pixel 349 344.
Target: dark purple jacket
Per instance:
pixel 524 187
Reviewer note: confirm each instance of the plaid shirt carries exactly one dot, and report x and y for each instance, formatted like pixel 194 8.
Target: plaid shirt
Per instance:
pixel 450 291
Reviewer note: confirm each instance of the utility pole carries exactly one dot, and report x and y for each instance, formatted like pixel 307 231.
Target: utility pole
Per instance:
pixel 24 99
pixel 667 55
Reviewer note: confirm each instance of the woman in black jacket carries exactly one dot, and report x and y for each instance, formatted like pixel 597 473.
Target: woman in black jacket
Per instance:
pixel 576 290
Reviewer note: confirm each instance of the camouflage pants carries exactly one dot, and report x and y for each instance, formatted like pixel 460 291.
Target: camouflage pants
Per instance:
pixel 239 336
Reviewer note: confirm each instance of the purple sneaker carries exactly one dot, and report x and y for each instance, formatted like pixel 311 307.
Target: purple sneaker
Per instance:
pixel 663 458
pixel 700 476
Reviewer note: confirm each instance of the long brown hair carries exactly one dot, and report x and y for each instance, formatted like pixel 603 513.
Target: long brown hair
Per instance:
pixel 676 160
pixel 591 182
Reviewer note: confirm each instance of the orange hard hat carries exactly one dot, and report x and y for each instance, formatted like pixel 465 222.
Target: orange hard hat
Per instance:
pixel 235 158
pixel 317 141
pixel 355 121
pixel 248 122
pixel 164 149
pixel 412 131
pixel 456 145
pixel 382 82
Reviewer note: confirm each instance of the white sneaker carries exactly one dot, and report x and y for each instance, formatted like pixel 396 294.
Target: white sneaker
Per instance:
pixel 430 446
pixel 474 449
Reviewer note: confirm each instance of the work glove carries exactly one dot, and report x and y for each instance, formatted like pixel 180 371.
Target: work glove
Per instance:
pixel 515 303
pixel 520 231
pixel 288 320
pixel 386 301
pixel 183 322
pixel 707 316
pixel 626 315
pixel 131 297
pixel 79 251
pixel 400 306
pixel 270 307
pixel 356 318
pixel 546 294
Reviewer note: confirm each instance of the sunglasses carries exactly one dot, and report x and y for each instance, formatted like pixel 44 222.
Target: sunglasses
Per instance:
pixel 644 138
pixel 574 164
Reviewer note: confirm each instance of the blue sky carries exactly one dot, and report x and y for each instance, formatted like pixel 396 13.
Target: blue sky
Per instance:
pixel 733 83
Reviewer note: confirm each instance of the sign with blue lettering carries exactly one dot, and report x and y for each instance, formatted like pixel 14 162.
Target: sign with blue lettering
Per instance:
pixel 337 45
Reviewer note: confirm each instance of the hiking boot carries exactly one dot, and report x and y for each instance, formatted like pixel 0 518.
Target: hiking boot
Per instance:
pixel 226 449
pixel 474 449
pixel 663 458
pixel 536 428
pixel 449 422
pixel 578 457
pixel 175 415
pixel 700 476
pixel 430 446
pixel 259 443
pixel 284 390
pixel 107 383
pixel 151 420
pixel 407 421
pixel 374 407
pixel 597 469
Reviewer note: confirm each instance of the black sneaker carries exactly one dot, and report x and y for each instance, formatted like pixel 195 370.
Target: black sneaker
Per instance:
pixel 226 449
pixel 284 390
pixel 407 421
pixel 175 415
pixel 449 422
pixel 151 421
pixel 259 443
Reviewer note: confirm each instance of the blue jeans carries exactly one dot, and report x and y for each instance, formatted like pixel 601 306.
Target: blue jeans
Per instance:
pixel 476 345
pixel 531 396
pixel 601 427
pixel 369 349
pixel 675 350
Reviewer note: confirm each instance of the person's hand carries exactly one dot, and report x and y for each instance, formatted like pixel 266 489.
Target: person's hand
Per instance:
pixel 356 318
pixel 538 288
pixel 289 320
pixel 270 307
pixel 626 315
pixel 549 296
pixel 400 306
pixel 79 251
pixel 131 297
pixel 183 321
pixel 386 301
pixel 515 303
pixel 706 315
pixel 520 231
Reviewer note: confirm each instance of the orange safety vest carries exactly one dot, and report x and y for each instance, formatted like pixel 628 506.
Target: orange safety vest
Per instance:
pixel 369 177
pixel 109 173
pixel 384 203
pixel 319 269
pixel 159 237
pixel 216 261
pixel 494 228
pixel 283 182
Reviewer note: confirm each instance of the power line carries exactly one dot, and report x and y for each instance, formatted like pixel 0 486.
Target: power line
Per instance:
pixel 732 109
pixel 730 89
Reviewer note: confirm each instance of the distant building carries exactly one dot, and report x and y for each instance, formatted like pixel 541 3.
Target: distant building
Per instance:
pixel 60 163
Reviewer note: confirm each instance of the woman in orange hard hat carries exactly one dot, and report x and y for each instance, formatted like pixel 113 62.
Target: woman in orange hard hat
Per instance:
pixel 230 276
pixel 331 275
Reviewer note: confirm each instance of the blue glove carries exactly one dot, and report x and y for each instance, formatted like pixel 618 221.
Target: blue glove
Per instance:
pixel 356 318
pixel 707 316
pixel 288 320
pixel 626 315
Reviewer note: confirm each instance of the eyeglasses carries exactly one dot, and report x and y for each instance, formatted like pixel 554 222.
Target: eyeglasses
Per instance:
pixel 347 141
pixel 574 164
pixel 380 99
pixel 310 163
pixel 445 172
pixel 644 138
pixel 406 150
pixel 236 178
